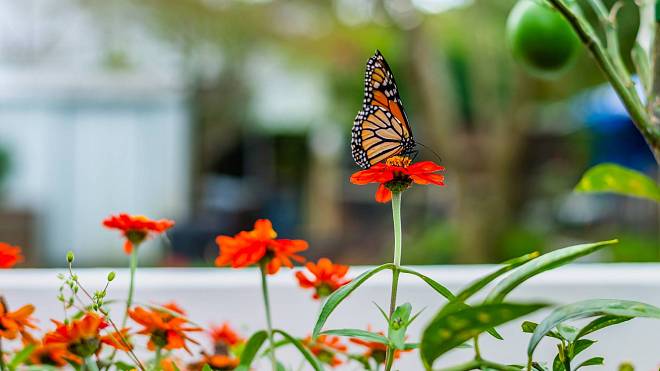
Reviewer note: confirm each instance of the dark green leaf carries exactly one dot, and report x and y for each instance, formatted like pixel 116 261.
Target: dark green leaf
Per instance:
pixel 557 365
pixel 539 367
pixel 431 282
pixel 612 178
pixel 483 282
pixel 541 264
pixel 360 334
pixel 251 349
pixel 311 359
pixel 449 329
pixel 590 308
pixel 207 368
pixel 601 323
pixel 580 345
pixel 123 366
pixel 596 361
pixel 342 293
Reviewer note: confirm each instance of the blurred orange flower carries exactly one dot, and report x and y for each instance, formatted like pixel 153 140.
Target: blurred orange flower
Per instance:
pixel 50 354
pixel 166 327
pixel 224 335
pixel 136 228
pixel 325 348
pixel 9 255
pixel 375 350
pixel 327 277
pixel 17 322
pixel 219 362
pixel 259 245
pixel 397 174
pixel 82 337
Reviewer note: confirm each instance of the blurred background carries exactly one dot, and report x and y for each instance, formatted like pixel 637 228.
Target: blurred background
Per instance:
pixel 217 112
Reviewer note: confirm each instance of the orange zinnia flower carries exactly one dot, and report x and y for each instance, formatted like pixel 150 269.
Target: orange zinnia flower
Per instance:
pixel 397 174
pixel 17 322
pixel 51 355
pixel 219 362
pixel 9 255
pixel 81 338
pixel 327 277
pixel 136 228
pixel 325 348
pixel 224 337
pixel 257 246
pixel 375 350
pixel 165 329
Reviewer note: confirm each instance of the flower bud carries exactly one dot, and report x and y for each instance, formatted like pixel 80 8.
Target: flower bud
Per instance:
pixel 111 276
pixel 69 257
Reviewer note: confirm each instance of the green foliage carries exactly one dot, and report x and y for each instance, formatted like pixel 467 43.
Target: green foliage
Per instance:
pixel 541 264
pixel 20 357
pixel 359 334
pixel 612 178
pixel 309 357
pixel 251 349
pixel 450 328
pixel 431 282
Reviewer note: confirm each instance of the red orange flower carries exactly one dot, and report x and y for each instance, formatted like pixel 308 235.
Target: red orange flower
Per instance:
pixel 397 174
pixel 165 329
pixel 51 355
pixel 326 348
pixel 225 336
pixel 219 362
pixel 375 350
pixel 327 277
pixel 9 255
pixel 259 246
pixel 82 338
pixel 136 228
pixel 17 322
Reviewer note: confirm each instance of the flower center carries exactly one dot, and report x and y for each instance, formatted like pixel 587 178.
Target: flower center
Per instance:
pixel 85 347
pixel 136 236
pixel 400 161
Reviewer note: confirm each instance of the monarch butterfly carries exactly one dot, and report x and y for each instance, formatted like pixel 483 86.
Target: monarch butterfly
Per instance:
pixel 381 129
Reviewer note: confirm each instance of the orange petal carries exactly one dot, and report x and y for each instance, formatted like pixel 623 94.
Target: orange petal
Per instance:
pixel 383 194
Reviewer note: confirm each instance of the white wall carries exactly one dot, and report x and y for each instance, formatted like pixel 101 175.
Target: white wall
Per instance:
pixel 84 145
pixel 215 295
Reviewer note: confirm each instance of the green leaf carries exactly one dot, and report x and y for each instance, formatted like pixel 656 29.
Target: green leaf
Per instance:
pixel 641 62
pixel 251 349
pixel 541 264
pixel 123 366
pixel 398 325
pixel 596 361
pixel 360 334
pixel 311 359
pixel 449 329
pixel 539 367
pixel 483 282
pixel 431 282
pixel 20 357
pixel 280 366
pixel 567 332
pixel 557 365
pixel 601 323
pixel 529 328
pixel 590 308
pixel 207 368
pixel 342 293
pixel 580 345
pixel 612 178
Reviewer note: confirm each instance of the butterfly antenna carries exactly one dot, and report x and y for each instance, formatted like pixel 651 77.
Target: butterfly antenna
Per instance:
pixel 432 151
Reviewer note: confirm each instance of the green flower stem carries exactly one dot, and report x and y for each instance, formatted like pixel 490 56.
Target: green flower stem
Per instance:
pixel 2 357
pixel 478 364
pixel 159 354
pixel 396 217
pixel 269 321
pixel 477 352
pixel 131 286
pixel 90 364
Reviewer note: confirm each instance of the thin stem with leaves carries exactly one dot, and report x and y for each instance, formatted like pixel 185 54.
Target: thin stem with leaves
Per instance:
pixel 396 218
pixel 269 321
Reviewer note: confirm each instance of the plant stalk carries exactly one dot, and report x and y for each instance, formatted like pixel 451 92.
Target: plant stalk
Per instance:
pixel 479 363
pixel 396 217
pixel 159 354
pixel 2 357
pixel 269 321
pixel 90 364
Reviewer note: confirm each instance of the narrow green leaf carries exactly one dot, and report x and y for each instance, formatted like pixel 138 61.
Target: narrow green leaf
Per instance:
pixel 580 345
pixel 387 318
pixel 600 323
pixel 612 178
pixel 431 282
pixel 568 332
pixel 596 361
pixel 123 366
pixel 541 264
pixel 207 368
pixel 20 357
pixel 539 366
pixel 342 293
pixel 360 334
pixel 483 282
pixel 251 349
pixel 590 308
pixel 529 328
pixel 311 359
pixel 411 346
pixel 448 329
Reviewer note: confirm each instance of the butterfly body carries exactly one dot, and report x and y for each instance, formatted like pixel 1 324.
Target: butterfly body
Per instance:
pixel 381 129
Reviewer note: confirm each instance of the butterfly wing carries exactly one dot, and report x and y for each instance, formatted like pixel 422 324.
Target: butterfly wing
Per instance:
pixel 381 128
pixel 377 135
